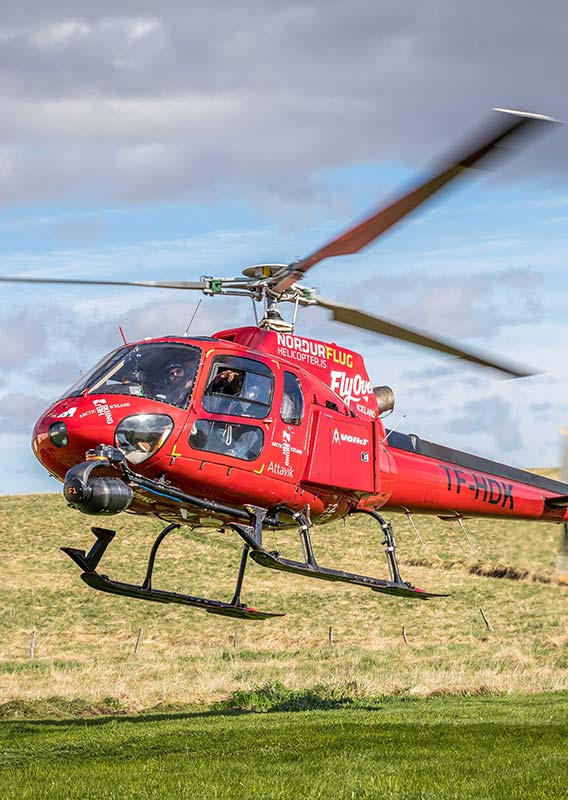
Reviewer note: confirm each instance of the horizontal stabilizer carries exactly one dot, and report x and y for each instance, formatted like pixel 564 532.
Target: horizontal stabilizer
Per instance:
pixel 561 501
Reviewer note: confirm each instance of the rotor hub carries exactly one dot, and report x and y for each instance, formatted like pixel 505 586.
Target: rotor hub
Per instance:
pixel 259 271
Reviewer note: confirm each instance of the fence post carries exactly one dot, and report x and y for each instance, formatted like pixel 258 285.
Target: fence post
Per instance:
pixel 32 645
pixel 330 636
pixel 488 625
pixel 138 641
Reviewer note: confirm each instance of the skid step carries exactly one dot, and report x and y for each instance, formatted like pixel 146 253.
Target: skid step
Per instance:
pixel 273 561
pixel 104 584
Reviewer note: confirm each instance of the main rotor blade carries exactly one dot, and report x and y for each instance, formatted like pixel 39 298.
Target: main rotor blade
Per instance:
pixel 360 319
pixel 146 284
pixel 497 140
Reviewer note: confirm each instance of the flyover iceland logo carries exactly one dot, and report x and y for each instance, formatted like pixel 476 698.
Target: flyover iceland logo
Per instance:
pixel 350 388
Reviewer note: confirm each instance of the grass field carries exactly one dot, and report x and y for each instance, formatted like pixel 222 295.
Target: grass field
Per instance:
pixel 498 747
pixel 84 657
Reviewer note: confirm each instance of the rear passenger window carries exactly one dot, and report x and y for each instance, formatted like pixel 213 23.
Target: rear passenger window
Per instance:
pixel 292 410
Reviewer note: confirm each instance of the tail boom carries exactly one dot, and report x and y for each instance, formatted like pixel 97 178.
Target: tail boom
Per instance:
pixel 432 479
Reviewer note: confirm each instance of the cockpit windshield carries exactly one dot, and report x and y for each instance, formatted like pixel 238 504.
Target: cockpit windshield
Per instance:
pixel 161 371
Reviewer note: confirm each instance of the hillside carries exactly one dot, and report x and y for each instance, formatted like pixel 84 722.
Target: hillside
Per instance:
pixel 84 645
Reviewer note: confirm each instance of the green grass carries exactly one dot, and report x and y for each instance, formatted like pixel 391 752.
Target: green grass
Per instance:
pixel 439 748
pixel 84 650
pixel 457 712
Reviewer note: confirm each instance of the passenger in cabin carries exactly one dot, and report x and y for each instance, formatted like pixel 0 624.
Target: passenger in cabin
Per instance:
pixel 228 381
pixel 249 443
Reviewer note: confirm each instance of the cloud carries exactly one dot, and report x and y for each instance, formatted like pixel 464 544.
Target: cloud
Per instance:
pixel 56 372
pixel 459 305
pixel 541 408
pixel 138 104
pixel 493 417
pixel 172 318
pixel 474 306
pixel 77 231
pixel 428 373
pixel 52 343
pixel 24 332
pixel 19 412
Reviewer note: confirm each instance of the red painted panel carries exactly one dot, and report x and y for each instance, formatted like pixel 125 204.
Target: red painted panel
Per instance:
pixel 341 452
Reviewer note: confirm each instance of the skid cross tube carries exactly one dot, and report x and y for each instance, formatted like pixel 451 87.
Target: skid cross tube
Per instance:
pixel 389 543
pixel 147 585
pixel 305 524
pixel 240 577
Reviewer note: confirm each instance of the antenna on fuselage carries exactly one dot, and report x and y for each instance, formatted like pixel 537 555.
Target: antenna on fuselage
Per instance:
pixel 192 318
pixel 392 430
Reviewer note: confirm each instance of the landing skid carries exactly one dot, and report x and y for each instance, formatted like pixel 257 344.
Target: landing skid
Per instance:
pixel 273 561
pixel 252 535
pixel 104 584
pixel 88 562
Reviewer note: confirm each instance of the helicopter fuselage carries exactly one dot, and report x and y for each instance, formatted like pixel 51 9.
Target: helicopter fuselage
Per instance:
pixel 274 420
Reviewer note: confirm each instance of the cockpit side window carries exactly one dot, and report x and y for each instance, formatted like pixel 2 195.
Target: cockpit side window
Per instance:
pixel 161 371
pixel 292 408
pixel 239 387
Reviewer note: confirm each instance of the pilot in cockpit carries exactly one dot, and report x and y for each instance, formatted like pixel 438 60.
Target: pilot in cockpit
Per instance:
pixel 177 384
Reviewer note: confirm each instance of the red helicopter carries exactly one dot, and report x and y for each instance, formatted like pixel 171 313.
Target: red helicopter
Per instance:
pixel 257 427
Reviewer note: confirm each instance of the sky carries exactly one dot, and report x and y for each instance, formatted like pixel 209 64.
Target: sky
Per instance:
pixel 146 141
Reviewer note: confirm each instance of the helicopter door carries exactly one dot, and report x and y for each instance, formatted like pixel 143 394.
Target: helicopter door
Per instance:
pixel 341 452
pixel 237 401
